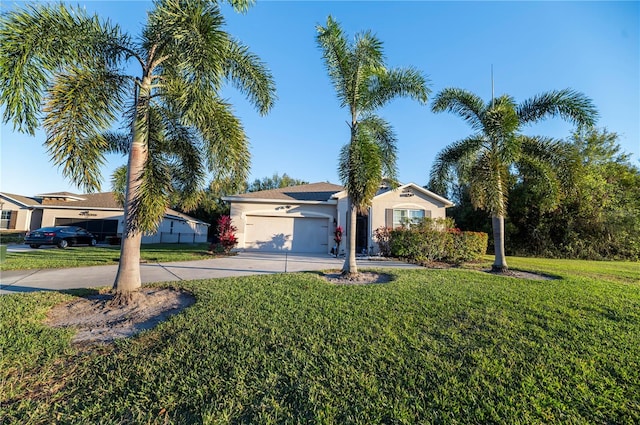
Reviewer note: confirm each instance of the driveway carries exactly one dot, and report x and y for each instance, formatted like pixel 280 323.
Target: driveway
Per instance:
pixel 243 264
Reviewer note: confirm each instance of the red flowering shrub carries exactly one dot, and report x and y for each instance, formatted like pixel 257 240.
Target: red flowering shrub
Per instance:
pixel 337 237
pixel 226 234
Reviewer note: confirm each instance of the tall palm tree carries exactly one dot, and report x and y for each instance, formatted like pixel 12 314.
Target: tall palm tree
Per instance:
pixel 364 84
pixel 179 128
pixel 485 158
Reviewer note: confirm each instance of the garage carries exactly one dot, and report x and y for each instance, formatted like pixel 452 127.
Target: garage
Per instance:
pixel 101 228
pixel 273 234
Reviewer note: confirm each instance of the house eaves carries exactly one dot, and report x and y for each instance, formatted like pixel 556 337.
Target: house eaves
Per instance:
pixel 20 200
pixel 277 201
pixel 176 215
pixel 420 189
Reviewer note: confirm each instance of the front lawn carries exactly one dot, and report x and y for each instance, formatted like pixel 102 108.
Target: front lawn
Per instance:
pixel 432 346
pixel 54 258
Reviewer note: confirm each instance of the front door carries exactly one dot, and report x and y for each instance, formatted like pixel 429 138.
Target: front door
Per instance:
pixel 362 234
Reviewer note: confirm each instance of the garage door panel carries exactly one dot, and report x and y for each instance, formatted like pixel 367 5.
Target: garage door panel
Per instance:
pixel 294 234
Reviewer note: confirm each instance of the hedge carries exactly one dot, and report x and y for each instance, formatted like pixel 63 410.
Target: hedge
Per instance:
pixel 432 240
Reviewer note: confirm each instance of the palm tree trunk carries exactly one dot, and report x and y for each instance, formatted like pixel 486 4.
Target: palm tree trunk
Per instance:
pixel 500 262
pixel 128 277
pixel 350 267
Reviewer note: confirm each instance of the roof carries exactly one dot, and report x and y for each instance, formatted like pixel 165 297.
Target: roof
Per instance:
pixel 100 201
pixel 406 188
pixel 19 199
pixel 319 192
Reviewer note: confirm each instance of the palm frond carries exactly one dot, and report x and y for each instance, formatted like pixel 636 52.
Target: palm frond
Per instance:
pixel 119 183
pixel 462 103
pixel 337 57
pixel 38 41
pixel 457 156
pixel 226 146
pixel 384 86
pixel 241 5
pixel 360 170
pixel 187 168
pixel 117 142
pixel 80 106
pixel 251 76
pixel 487 184
pixel 187 38
pixel 569 104
pixel 382 133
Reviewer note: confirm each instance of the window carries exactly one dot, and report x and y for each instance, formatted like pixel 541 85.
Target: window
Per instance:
pixel 406 217
pixel 5 218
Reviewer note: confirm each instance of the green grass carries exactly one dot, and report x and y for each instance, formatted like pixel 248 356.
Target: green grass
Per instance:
pixel 620 271
pixel 433 346
pixel 101 255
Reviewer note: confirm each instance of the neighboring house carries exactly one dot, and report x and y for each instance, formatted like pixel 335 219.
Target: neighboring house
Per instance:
pixel 303 218
pixel 99 213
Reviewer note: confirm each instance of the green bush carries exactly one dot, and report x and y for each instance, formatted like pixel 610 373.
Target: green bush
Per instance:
pixel 437 240
pixel 467 246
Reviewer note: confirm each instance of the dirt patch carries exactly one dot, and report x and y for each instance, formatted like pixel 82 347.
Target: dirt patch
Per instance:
pixel 363 278
pixel 98 321
pixel 522 275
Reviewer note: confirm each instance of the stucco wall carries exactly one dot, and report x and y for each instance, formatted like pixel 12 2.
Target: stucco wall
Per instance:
pixel 178 232
pixel 401 199
pixel 22 218
pixel 49 215
pixel 240 210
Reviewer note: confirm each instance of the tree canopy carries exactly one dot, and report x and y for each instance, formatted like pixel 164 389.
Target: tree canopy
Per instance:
pixel 364 84
pixel 484 160
pixel 66 69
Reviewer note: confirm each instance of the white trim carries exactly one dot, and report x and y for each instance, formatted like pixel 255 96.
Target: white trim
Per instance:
pixel 296 214
pixel 15 201
pixel 59 196
pixel 277 201
pixel 420 189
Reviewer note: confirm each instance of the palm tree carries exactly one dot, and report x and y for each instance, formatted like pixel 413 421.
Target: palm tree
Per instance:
pixel 363 85
pixel 179 128
pixel 485 159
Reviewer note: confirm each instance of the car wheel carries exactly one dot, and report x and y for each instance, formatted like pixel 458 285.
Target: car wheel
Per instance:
pixel 92 242
pixel 63 244
pixel 34 246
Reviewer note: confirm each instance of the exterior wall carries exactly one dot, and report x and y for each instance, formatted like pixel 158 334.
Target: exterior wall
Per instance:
pixel 178 231
pixel 240 210
pixel 399 199
pixel 20 216
pixel 49 216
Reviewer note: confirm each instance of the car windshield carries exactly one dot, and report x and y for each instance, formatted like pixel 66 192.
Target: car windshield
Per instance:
pixel 48 229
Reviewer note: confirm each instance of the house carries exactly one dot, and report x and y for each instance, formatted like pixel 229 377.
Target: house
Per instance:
pixel 303 218
pixel 99 213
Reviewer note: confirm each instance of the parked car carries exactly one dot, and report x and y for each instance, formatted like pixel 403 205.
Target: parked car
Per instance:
pixel 62 236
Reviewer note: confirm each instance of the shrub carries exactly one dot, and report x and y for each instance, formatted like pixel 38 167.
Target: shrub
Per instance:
pixel 226 235
pixel 436 240
pixel 382 236
pixel 467 246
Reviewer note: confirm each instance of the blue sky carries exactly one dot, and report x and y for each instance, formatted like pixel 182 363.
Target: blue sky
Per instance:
pixel 592 47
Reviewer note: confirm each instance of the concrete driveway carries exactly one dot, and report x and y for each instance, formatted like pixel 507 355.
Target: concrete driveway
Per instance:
pixel 243 264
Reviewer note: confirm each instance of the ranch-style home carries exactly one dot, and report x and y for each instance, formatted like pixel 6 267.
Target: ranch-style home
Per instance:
pixel 99 213
pixel 303 218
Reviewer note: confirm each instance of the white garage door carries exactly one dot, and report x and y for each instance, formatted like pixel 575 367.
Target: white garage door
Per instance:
pixel 294 234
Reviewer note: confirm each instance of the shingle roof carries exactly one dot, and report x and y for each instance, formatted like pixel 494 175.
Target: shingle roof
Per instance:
pixel 105 200
pixel 305 192
pixel 89 200
pixel 25 200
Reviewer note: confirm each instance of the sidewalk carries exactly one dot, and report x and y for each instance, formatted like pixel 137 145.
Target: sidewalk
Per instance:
pixel 243 264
